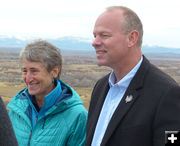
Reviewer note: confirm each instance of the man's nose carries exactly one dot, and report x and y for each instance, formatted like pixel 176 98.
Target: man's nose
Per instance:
pixel 96 42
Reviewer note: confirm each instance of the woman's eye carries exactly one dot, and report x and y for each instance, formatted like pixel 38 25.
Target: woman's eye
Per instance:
pixel 34 71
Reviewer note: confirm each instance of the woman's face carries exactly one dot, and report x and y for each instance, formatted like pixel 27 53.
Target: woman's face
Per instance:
pixel 37 78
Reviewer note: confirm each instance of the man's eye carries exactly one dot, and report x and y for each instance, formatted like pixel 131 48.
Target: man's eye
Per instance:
pixel 24 71
pixel 105 35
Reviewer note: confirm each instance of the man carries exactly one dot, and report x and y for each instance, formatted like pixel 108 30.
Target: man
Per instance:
pixel 136 103
pixel 7 136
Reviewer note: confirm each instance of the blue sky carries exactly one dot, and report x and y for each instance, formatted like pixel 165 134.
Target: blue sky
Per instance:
pixel 58 18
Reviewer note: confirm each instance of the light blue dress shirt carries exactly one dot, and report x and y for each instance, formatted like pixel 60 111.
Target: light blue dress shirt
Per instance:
pixel 111 102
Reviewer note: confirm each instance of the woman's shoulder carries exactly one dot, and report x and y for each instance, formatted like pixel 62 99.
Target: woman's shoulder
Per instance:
pixel 20 100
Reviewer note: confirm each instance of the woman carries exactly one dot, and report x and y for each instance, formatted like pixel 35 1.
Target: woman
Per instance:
pixel 48 111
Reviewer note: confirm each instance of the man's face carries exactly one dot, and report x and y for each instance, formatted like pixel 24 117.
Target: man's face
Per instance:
pixel 110 43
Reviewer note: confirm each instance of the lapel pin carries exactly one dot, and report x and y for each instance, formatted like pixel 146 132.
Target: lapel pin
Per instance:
pixel 129 98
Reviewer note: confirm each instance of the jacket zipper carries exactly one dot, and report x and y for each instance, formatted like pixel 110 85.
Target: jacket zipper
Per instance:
pixel 31 131
pixel 36 120
pixel 29 138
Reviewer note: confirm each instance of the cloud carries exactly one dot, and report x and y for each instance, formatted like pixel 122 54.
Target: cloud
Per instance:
pixel 53 18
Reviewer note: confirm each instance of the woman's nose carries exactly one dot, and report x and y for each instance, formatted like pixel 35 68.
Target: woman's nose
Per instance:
pixel 28 78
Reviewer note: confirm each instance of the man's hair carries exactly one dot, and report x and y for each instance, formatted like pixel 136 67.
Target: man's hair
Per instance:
pixel 131 21
pixel 44 52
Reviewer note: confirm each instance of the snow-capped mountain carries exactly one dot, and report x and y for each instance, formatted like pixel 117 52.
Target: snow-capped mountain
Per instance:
pixel 72 43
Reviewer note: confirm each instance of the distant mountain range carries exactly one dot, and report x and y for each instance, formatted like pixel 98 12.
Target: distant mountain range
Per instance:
pixel 70 43
pixel 76 44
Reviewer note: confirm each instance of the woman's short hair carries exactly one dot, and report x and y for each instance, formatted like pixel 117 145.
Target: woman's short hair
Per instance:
pixel 44 52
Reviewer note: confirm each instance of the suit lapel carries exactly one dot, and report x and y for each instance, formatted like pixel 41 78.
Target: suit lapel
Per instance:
pixel 97 109
pixel 119 113
pixel 124 106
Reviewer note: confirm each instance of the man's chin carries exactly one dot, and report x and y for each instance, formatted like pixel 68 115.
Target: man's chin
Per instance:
pixel 101 64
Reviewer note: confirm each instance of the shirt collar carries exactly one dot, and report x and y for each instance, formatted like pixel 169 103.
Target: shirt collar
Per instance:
pixel 124 82
pixel 52 96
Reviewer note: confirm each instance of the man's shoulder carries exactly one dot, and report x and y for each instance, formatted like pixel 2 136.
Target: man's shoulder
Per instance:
pixel 101 84
pixel 106 77
pixel 154 74
pixel 103 80
pixel 161 76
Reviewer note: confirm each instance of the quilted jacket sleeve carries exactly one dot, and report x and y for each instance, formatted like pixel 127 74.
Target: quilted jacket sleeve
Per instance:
pixel 78 136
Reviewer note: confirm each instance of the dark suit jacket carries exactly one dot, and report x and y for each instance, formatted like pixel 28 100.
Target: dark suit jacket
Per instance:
pixel 155 107
pixel 7 136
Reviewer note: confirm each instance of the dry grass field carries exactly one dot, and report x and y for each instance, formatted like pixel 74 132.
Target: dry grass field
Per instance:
pixel 79 71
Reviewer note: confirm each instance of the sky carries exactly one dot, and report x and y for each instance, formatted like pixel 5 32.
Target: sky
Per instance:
pixel 59 18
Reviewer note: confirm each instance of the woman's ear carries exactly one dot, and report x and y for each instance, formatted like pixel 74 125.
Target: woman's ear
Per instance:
pixel 55 72
pixel 133 37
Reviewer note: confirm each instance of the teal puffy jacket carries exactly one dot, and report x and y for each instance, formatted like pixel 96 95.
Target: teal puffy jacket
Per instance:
pixel 63 124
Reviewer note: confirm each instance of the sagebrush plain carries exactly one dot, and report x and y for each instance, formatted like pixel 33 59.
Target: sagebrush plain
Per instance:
pixel 79 71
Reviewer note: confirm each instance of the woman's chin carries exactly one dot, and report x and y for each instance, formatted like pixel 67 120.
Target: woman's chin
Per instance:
pixel 32 92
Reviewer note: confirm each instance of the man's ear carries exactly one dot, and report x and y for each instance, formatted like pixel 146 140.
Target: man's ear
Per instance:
pixel 133 37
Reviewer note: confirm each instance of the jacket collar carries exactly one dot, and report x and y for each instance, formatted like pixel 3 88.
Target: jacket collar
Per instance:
pixel 124 106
